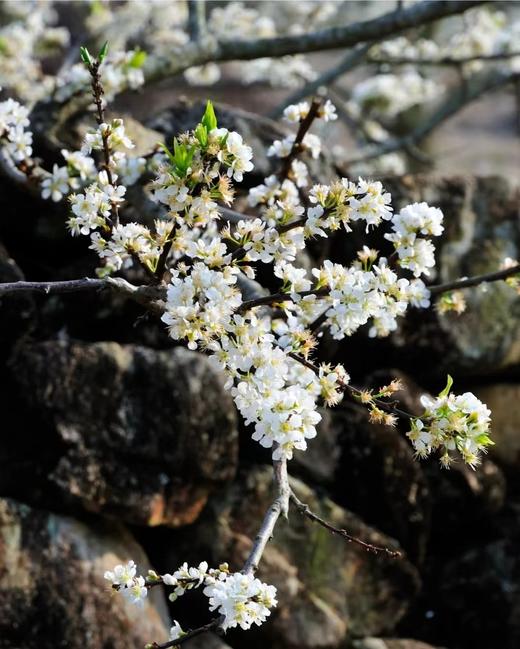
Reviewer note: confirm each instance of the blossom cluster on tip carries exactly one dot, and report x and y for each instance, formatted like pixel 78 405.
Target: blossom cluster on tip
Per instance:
pixel 452 423
pixel 240 598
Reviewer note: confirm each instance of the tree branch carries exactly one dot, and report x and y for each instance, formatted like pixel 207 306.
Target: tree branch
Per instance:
pixel 305 510
pixel 279 507
pixel 444 61
pixel 197 19
pixel 148 296
pixel 476 86
pixel 213 625
pixel 347 63
pixel 475 280
pixel 391 23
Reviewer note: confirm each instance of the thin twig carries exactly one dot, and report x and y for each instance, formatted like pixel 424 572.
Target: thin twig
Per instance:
pixel 444 61
pixel 353 390
pixel 477 86
pixel 475 280
pixel 305 510
pixel 347 63
pixel 213 625
pixel 305 125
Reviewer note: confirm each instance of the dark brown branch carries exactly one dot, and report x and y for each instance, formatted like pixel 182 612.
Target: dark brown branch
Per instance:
pixel 148 296
pixel 275 298
pixel 305 125
pixel 354 391
pixel 475 281
pixel 345 36
pixel 305 510
pixel 211 626
pixel 444 61
pixel 52 288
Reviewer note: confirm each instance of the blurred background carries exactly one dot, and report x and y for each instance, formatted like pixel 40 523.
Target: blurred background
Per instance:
pixel 117 444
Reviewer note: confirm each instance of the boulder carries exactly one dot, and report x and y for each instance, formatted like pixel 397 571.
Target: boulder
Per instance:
pixel 140 435
pixel 379 479
pixel 391 643
pixel 52 591
pixel 503 400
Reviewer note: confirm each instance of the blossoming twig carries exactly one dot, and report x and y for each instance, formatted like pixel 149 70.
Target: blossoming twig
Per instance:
pixel 305 510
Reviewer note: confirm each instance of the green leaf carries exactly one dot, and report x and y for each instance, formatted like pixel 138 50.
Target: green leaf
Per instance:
pixel 167 151
pixel 103 52
pixel 201 133
pixel 85 56
pixel 138 59
pixel 209 119
pixel 447 389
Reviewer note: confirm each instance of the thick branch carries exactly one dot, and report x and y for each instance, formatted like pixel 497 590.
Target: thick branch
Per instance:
pixel 332 38
pixel 278 507
pixel 306 511
pixel 148 296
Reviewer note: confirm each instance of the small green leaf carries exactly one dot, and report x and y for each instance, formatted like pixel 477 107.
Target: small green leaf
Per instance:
pixel 103 52
pixel 447 389
pixel 138 59
pixel 85 56
pixel 201 133
pixel 209 119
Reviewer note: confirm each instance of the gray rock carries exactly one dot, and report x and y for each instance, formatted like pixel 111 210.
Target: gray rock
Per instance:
pixel 52 591
pixel 142 435
pixel 503 400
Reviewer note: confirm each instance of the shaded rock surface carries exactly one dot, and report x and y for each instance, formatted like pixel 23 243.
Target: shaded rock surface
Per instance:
pixel 52 591
pixel 503 399
pixel 17 312
pixel 391 643
pixel 141 435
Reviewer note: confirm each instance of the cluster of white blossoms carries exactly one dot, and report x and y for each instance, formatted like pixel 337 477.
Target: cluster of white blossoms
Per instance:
pixel 486 33
pixel 415 252
pixel 384 96
pixel 15 138
pixel 27 36
pixel 200 303
pixel 121 70
pixel 452 423
pixel 241 599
